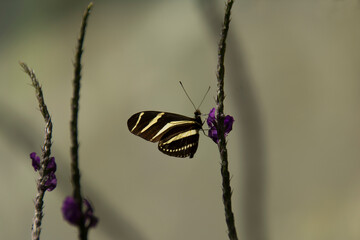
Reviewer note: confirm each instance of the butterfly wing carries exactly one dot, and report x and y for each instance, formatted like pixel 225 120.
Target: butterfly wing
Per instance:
pixel 178 135
pixel 180 141
pixel 152 125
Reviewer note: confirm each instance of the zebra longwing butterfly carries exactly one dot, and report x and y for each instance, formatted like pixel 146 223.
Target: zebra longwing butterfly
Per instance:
pixel 178 135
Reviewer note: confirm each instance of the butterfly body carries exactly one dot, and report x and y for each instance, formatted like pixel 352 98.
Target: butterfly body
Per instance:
pixel 178 135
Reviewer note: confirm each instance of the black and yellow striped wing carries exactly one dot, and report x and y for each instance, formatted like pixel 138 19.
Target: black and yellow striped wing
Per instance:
pixel 178 135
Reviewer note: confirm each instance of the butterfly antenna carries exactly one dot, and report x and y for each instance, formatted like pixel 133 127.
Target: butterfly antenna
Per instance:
pixel 187 94
pixel 204 97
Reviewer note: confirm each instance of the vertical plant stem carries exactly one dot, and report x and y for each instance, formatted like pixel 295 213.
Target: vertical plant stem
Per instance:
pixel 74 151
pixel 45 158
pixel 229 216
pixel 38 215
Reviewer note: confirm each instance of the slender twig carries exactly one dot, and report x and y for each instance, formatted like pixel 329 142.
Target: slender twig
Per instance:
pixel 74 122
pixel 229 216
pixel 45 158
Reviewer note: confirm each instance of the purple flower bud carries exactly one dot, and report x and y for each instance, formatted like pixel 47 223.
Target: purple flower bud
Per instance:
pixel 213 134
pixel 71 211
pixel 51 165
pixel 73 214
pixel 51 182
pixel 228 122
pixel 35 161
pixel 212 123
pixel 90 219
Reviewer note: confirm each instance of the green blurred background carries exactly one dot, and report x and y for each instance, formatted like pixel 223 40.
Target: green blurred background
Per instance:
pixel 292 85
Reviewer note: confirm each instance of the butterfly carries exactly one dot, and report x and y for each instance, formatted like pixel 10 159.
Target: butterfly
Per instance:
pixel 178 135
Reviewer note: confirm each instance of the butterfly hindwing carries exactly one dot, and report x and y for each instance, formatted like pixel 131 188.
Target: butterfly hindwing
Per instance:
pixel 180 142
pixel 178 135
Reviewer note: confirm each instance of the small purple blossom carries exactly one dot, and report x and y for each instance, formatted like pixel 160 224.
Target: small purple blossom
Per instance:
pixel 35 161
pixel 51 165
pixel 212 123
pixel 73 214
pixel 213 134
pixel 51 181
pixel 71 211
pixel 228 122
pixel 90 219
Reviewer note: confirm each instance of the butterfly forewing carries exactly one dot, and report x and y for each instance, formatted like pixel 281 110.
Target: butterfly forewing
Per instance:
pixel 146 124
pixel 178 135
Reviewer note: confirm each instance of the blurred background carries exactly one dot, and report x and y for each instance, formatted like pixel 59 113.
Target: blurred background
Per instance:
pixel 292 85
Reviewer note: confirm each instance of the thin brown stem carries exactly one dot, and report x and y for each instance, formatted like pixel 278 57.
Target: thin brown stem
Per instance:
pixel 74 151
pixel 45 158
pixel 227 192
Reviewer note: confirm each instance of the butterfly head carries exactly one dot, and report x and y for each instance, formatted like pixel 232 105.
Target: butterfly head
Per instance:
pixel 197 114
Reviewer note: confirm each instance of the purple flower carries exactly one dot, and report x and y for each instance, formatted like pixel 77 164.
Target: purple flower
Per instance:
pixel 71 211
pixel 212 123
pixel 228 122
pixel 73 214
pixel 51 181
pixel 35 161
pixel 51 165
pixel 213 134
pixel 90 219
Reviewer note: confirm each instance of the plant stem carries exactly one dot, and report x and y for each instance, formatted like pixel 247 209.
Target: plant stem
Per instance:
pixel 229 216
pixel 45 158
pixel 74 151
